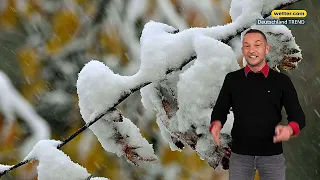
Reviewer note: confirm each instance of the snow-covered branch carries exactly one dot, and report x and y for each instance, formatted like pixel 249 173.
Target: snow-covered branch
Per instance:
pixel 54 164
pixel 13 105
pixel 181 93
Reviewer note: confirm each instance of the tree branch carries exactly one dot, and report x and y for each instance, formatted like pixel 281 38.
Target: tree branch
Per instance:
pixel 226 40
pixel 122 98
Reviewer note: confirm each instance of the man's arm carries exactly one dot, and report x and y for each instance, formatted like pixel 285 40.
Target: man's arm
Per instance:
pixel 295 114
pixel 223 104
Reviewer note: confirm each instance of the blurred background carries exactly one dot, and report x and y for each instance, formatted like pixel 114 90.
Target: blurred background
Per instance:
pixel 45 43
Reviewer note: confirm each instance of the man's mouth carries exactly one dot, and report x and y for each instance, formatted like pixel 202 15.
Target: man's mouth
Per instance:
pixel 253 57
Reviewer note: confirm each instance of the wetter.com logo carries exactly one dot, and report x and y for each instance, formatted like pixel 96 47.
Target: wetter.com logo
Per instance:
pixel 288 17
pixel 289 13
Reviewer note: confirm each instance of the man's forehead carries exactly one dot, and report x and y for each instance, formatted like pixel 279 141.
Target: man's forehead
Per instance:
pixel 253 35
pixel 246 41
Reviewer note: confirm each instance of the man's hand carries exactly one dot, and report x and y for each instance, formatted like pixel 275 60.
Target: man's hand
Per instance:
pixel 283 133
pixel 215 131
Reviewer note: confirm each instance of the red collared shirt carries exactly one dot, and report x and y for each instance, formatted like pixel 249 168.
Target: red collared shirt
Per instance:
pixel 265 70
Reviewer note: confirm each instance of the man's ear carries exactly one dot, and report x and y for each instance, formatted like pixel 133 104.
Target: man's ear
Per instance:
pixel 267 48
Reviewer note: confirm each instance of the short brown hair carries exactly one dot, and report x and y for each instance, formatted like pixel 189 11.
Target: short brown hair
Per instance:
pixel 256 31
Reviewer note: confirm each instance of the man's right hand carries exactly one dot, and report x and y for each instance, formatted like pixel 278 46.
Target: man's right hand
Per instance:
pixel 215 131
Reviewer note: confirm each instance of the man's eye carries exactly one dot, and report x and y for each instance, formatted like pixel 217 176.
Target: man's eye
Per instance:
pixel 257 44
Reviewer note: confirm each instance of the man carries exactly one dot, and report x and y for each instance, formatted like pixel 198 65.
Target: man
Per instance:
pixel 257 94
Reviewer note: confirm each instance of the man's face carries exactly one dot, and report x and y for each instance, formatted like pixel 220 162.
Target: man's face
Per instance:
pixel 254 49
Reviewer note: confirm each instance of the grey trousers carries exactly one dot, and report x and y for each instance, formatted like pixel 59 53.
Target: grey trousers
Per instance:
pixel 243 167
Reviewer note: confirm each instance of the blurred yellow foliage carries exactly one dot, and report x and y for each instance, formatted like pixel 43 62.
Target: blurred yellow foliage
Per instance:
pixel 65 25
pixel 195 18
pixel 31 68
pixel 151 9
pixel 9 16
pixel 98 161
pixel 111 43
pixel 6 144
pixel 89 7
pixel 32 7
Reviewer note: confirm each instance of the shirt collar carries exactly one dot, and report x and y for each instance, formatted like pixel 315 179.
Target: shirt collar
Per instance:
pixel 264 70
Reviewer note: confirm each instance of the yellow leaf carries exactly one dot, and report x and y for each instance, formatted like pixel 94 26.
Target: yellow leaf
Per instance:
pixel 168 156
pixel 195 18
pixel 110 42
pixel 151 9
pixel 32 6
pixel 31 68
pixel 88 6
pixel 14 132
pixel 65 24
pixel 227 17
pixel 9 17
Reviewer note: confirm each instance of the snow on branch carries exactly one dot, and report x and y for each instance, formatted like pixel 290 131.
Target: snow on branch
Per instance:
pixel 165 53
pixel 54 164
pixel 116 133
pixel 4 167
pixel 183 103
pixel 13 105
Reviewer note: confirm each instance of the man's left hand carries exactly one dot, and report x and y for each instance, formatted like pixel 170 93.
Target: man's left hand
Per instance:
pixel 283 133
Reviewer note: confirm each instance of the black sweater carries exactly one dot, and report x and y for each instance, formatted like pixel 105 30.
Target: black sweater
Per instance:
pixel 257 102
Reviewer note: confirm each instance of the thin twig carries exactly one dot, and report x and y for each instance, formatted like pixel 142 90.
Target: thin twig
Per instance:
pixel 193 56
pixel 89 177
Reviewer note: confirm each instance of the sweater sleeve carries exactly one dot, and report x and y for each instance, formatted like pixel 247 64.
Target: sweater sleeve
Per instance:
pixel 223 103
pixel 295 114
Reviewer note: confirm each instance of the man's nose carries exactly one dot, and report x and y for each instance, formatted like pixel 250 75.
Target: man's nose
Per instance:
pixel 251 49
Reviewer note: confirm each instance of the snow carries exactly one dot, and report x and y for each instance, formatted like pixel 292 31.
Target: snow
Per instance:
pixel 13 104
pixel 199 85
pixel 196 88
pixel 238 7
pixel 99 89
pixel 6 105
pixel 268 6
pixel 227 127
pixel 135 139
pixel 171 50
pixel 108 132
pixel 55 164
pixel 4 167
pixel 157 58
pixel 136 8
pixel 236 45
pixel 151 100
pixel 205 149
